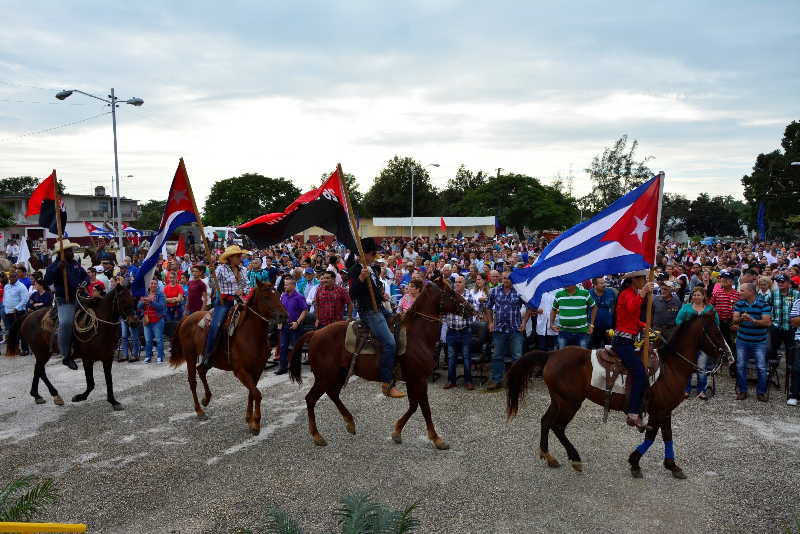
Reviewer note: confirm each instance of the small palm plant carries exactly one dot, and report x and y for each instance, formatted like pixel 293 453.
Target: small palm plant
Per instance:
pixel 358 514
pixel 22 499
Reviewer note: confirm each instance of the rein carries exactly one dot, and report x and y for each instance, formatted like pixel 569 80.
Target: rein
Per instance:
pixel 697 369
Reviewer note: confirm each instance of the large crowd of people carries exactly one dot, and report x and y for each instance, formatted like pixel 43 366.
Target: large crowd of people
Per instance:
pixel 751 287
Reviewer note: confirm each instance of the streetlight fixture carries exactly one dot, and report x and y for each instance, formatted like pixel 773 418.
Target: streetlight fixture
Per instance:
pixel 112 101
pixel 412 196
pixel 795 164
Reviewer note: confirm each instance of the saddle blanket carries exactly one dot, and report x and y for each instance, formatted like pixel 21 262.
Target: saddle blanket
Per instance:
pixel 599 377
pixel 232 320
pixel 351 341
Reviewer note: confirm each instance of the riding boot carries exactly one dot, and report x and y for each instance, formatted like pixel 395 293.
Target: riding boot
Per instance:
pixel 69 362
pixel 392 392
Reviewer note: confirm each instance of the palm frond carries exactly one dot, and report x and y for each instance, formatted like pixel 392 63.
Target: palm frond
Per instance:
pixel 11 489
pixel 23 508
pixel 279 522
pixel 356 514
pixel 406 522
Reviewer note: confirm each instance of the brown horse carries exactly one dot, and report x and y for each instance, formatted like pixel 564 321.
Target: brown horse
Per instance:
pixel 97 344
pixel 245 353
pixel 568 374
pixel 330 361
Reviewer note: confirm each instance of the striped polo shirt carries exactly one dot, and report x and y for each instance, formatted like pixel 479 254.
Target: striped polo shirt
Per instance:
pixel 723 301
pixel 748 331
pixel 573 310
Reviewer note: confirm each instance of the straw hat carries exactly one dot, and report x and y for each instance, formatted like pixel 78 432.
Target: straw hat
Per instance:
pixel 634 274
pixel 66 243
pixel 232 250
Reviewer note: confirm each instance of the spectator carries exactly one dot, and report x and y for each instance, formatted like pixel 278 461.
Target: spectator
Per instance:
pixel 22 276
pixel 296 309
pixel 573 306
pixel 665 308
pixel 255 273
pixel 413 289
pixel 794 385
pixel 459 339
pixel 723 301
pixel 697 305
pixel 507 326
pixel 15 302
pixel 153 307
pixel 606 300
pixel 331 302
pixel 12 251
pixel 197 296
pixel 546 337
pixel 173 293
pixel 95 287
pixel 752 319
pixel 103 272
pixel 41 297
pixel 781 332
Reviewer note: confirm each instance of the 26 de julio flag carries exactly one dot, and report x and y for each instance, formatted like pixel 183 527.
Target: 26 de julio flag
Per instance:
pixel 179 211
pixel 619 239
pixel 325 206
pixel 43 203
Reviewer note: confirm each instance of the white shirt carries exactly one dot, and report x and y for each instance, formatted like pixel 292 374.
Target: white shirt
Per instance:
pixel 543 320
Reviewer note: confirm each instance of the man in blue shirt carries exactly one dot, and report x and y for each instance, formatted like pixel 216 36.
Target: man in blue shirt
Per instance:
pixel 15 301
pixel 22 276
pixel 506 323
pixel 752 319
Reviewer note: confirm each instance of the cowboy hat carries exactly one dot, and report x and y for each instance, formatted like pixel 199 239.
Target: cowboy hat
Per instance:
pixel 634 274
pixel 232 250
pixel 65 244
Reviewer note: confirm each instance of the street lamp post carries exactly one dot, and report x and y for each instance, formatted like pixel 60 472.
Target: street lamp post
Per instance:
pixel 412 196
pixel 113 102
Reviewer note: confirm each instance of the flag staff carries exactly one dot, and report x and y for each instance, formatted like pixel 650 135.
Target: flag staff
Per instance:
pixel 212 274
pixel 650 276
pixel 60 232
pixel 354 230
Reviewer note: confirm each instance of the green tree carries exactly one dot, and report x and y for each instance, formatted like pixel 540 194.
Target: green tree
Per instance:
pixel 150 214
pixel 390 194
pixel 777 183
pixel 457 188
pixel 716 216
pixel 24 185
pixel 520 201
pixel 236 200
pixel 356 196
pixel 674 213
pixel 613 173
pixel 6 218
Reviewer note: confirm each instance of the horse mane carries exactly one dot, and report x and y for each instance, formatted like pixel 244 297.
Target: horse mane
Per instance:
pixel 680 333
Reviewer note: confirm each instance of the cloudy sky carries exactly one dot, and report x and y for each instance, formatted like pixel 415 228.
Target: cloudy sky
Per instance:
pixel 291 88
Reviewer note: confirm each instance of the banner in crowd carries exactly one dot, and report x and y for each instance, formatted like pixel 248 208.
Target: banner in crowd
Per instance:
pixel 325 207
pixel 43 203
pixel 619 239
pixel 94 231
pixel 760 222
pixel 179 211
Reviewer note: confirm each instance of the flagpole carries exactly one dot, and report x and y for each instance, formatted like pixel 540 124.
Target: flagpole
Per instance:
pixel 650 276
pixel 60 236
pixel 206 247
pixel 354 230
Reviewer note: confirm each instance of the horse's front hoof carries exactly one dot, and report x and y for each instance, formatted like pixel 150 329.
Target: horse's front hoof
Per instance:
pixel 320 441
pixel 441 444
pixel 39 400
pixel 578 466
pixel 58 401
pixel 636 473
pixel 397 438
pixel 255 431
pixel 78 398
pixel 678 473
pixel 202 416
pixel 551 461
pixel 117 407
pixel 351 428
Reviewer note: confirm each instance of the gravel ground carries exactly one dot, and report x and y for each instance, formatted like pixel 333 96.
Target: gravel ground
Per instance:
pixel 155 468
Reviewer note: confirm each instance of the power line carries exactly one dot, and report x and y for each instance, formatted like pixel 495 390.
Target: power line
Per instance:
pixel 12 84
pixel 17 101
pixel 46 130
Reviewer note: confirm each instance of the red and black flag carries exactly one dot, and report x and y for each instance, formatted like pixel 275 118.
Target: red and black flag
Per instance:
pixel 43 203
pixel 325 207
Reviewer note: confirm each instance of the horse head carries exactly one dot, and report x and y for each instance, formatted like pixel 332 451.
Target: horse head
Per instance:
pixel 266 302
pixel 124 303
pixel 452 302
pixel 712 342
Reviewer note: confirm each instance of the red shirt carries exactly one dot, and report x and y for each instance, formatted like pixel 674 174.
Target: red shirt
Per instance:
pixel 629 309
pixel 329 304
pixel 723 302
pixel 195 299
pixel 172 292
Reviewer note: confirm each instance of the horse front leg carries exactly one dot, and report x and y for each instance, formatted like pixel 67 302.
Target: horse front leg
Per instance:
pixel 421 390
pixel 88 369
pixel 669 452
pixel 110 385
pixel 649 438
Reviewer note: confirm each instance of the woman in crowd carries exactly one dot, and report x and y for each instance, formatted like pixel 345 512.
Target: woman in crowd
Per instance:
pixel 698 304
pixel 764 288
pixel 41 296
pixel 153 307
pixel 413 290
pixel 173 293
pixel 197 294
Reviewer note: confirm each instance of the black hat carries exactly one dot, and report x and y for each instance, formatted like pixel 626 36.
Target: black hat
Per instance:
pixel 781 278
pixel 726 274
pixel 368 245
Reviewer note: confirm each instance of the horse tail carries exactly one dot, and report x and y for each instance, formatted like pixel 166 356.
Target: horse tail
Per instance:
pixel 517 379
pixel 295 360
pixel 12 339
pixel 176 355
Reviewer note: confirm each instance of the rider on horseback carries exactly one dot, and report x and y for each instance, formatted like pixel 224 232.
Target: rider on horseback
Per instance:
pixel 76 277
pixel 628 325
pixel 232 283
pixel 375 320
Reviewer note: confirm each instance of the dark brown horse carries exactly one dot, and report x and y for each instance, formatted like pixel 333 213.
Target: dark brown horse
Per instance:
pixel 97 343
pixel 245 353
pixel 568 375
pixel 330 361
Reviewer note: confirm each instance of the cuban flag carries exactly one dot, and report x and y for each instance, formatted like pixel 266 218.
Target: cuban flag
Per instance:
pixel 180 210
pixel 98 232
pixel 619 239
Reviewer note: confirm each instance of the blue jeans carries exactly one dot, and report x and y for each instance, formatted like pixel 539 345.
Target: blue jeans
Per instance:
pixel 627 353
pixel 66 315
pixel 702 379
pixel 154 331
pixel 458 343
pixel 288 338
pixel 175 313
pixel 757 351
pixel 580 339
pixel 505 344
pixel 376 321
pixel 130 340
pixel 218 314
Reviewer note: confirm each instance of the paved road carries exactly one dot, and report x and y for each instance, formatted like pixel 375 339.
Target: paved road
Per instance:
pixel 155 468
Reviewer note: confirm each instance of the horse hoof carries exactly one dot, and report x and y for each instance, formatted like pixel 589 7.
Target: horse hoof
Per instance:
pixel 255 431
pixel 78 398
pixel 39 400
pixel 397 438
pixel 551 461
pixel 205 401
pixel 578 466
pixel 636 473
pixel 58 401
pixel 118 407
pixel 202 416
pixel 351 427
pixel 678 473
pixel 441 444
pixel 320 441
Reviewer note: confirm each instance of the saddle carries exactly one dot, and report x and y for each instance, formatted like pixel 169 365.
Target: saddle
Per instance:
pixel 359 341
pixel 611 375
pixel 231 319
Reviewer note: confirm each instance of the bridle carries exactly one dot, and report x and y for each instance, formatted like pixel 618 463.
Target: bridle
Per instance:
pixel 700 371
pixel 444 294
